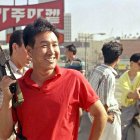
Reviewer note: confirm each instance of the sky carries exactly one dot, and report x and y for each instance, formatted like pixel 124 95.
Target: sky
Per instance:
pixel 113 17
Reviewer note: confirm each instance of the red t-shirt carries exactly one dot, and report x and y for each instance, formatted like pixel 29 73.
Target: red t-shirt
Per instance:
pixel 51 112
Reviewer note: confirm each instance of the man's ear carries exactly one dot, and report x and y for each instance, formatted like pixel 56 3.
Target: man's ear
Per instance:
pixel 131 63
pixel 14 46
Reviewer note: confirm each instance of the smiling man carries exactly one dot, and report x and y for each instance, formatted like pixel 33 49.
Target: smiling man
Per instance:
pixel 52 94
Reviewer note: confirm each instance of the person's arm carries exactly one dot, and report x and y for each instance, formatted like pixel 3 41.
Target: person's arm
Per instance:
pixel 97 110
pixel 138 92
pixel 83 72
pixel 126 93
pixel 110 115
pixel 6 120
pixel 82 69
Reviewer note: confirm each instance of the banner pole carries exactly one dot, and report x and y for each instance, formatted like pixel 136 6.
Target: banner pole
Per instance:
pixel 14 28
pixel 27 2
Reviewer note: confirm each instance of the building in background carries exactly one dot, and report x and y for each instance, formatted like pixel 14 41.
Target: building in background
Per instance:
pixel 130 46
pixel 67 27
pixel 67 24
pixel 85 37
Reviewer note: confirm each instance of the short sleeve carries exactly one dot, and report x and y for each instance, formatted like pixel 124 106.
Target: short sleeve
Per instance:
pixel 87 95
pixel 82 65
pixel 105 90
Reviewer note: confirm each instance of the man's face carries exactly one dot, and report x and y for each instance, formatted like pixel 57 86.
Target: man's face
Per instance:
pixel 68 53
pixel 46 51
pixel 135 66
pixel 22 57
pixel 138 64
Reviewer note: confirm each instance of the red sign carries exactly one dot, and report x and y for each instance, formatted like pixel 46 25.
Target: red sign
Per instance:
pixel 13 16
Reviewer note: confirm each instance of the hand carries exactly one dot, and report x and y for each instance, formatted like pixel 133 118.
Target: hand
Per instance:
pixel 4 86
pixel 137 93
pixel 134 95
pixel 111 117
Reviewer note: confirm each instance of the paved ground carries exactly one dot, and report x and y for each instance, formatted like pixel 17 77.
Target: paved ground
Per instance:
pixel 85 127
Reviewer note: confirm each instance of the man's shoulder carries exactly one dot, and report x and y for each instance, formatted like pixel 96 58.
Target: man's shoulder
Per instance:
pixel 76 64
pixel 124 76
pixel 77 59
pixel 100 71
pixel 104 69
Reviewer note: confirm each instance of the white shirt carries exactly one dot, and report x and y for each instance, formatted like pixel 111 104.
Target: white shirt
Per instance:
pixel 103 82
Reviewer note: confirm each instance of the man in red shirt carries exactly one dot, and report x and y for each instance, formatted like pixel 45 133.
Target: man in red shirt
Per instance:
pixel 52 95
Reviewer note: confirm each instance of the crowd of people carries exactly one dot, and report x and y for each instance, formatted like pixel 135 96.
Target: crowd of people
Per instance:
pixel 55 97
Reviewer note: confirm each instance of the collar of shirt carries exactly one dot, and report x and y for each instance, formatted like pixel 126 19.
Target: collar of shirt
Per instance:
pixel 27 76
pixel 13 66
pixel 109 67
pixel 15 70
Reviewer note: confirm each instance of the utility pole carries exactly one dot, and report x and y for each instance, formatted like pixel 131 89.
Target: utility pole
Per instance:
pixel 27 2
pixel 86 41
pixel 87 38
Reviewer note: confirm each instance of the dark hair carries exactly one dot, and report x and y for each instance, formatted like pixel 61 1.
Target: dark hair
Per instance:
pixel 135 57
pixel 16 37
pixel 72 48
pixel 31 30
pixel 111 51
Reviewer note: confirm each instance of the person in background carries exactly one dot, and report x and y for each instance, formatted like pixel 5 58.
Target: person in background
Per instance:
pixel 52 94
pixel 128 97
pixel 19 58
pixel 73 62
pixel 102 80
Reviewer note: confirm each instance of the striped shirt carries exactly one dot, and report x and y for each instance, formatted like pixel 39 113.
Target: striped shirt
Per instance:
pixel 102 80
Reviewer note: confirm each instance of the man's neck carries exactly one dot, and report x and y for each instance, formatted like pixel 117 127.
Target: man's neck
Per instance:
pixel 111 65
pixel 132 73
pixel 40 77
pixel 16 63
pixel 72 58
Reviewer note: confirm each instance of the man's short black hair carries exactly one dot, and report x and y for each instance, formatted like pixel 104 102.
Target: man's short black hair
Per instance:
pixel 135 57
pixel 16 37
pixel 72 48
pixel 40 25
pixel 111 51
